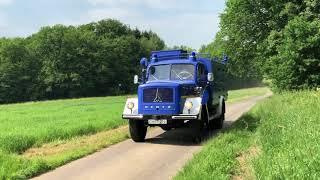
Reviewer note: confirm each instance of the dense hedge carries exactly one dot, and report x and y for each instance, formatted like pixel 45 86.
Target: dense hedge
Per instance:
pixel 95 59
pixel 278 40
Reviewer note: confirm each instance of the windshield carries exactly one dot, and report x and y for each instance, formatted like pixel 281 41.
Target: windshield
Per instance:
pixel 180 72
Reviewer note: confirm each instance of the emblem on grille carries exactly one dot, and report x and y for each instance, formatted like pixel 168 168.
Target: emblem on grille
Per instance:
pixel 157 98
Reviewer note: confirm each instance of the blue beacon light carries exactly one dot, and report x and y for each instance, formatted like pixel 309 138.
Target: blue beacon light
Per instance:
pixel 154 58
pixel 144 62
pixel 193 56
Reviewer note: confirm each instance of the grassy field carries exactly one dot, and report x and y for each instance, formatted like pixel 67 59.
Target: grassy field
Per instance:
pixel 278 139
pixel 28 125
pixel 245 93
pixel 36 137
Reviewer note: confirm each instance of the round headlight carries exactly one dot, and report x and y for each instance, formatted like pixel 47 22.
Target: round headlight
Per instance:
pixel 130 105
pixel 189 105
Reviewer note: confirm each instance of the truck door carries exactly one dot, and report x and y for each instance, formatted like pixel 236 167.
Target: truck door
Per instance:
pixel 202 75
pixel 216 84
pixel 218 71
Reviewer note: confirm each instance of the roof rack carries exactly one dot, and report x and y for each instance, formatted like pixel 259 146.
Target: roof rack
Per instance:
pixel 181 54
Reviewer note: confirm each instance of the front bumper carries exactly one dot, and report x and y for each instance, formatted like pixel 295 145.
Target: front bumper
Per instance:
pixel 186 114
pixel 168 117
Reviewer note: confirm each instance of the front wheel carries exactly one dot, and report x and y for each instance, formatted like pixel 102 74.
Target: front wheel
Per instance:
pixel 200 126
pixel 137 130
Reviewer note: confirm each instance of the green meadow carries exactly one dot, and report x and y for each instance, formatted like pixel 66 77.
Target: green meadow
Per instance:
pixel 29 125
pixel 278 139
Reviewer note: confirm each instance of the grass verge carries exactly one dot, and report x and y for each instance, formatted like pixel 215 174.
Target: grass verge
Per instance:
pixel 278 139
pixel 242 94
pixel 37 137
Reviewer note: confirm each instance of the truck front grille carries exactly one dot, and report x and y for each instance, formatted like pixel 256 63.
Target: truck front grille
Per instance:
pixel 158 95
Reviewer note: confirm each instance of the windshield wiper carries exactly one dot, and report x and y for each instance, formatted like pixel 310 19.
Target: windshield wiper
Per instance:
pixel 177 74
pixel 154 77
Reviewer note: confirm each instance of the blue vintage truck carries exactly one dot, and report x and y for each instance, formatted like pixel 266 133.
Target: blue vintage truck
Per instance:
pixel 176 89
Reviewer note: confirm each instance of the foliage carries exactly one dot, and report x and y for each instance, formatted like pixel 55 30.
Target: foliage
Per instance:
pixel 65 61
pixel 18 71
pixel 297 62
pixel 276 40
pixel 282 131
pixel 185 48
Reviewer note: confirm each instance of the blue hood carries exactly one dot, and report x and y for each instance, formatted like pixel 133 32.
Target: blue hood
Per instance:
pixel 160 97
pixel 160 84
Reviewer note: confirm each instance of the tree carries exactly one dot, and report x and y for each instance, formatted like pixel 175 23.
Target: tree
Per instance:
pixel 182 47
pixel 296 64
pixel 68 61
pixel 18 71
pixel 255 34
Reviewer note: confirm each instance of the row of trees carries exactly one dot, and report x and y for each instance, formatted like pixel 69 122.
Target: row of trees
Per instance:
pixel 277 40
pixel 67 61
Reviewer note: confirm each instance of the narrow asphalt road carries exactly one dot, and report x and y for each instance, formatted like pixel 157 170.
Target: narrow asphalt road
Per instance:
pixel 160 157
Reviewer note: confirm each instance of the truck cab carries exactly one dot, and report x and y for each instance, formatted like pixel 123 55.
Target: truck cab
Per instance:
pixel 176 89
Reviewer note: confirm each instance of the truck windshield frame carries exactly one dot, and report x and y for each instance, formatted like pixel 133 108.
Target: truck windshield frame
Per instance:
pixel 172 72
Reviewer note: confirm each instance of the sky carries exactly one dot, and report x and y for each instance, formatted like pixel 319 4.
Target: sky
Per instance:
pixel 179 22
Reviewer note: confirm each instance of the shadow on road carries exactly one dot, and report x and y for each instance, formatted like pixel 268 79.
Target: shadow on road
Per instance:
pixel 183 136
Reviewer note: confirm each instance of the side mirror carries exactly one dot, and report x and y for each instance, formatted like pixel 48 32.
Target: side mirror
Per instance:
pixel 136 79
pixel 210 77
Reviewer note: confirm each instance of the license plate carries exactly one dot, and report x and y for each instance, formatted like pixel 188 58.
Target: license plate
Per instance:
pixel 155 122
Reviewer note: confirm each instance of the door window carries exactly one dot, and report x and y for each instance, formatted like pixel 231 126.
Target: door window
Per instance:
pixel 201 73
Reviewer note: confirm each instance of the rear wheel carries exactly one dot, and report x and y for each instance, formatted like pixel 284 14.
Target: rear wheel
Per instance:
pixel 218 122
pixel 137 130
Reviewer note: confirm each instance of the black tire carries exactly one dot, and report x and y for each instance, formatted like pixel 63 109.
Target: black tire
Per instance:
pixel 200 127
pixel 166 128
pixel 218 123
pixel 137 130
pixel 212 125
